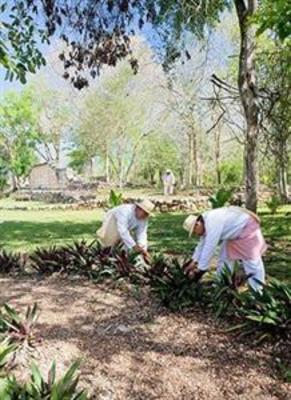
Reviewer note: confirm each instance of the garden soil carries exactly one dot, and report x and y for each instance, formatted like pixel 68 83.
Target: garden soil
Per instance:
pixel 132 349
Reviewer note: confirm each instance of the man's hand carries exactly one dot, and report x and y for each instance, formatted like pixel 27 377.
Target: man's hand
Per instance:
pixel 143 252
pixel 191 269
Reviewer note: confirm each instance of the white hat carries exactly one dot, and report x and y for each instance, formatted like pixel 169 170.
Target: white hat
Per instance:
pixel 147 206
pixel 189 223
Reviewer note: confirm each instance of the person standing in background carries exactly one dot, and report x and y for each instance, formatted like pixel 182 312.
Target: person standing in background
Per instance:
pixel 169 182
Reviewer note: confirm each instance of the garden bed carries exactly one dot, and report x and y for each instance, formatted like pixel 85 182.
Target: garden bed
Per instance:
pixel 133 349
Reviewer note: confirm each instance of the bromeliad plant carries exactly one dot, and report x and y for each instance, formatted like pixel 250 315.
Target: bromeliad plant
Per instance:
pixel 17 329
pixel 80 258
pixel 225 298
pixel 51 260
pixel 63 389
pixel 7 351
pixel 175 289
pixel 11 262
pixel 39 388
pixel 267 313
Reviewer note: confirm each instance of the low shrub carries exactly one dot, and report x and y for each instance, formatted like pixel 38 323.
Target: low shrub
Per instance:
pixel 273 204
pixel 221 197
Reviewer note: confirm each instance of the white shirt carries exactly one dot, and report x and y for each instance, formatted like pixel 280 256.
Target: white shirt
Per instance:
pixel 220 224
pixel 127 222
pixel 169 179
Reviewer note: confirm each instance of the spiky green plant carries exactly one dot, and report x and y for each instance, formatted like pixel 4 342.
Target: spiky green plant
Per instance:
pixel 268 312
pixel 6 353
pixel 50 260
pixel 79 258
pixel 174 288
pixel 19 329
pixel 66 388
pixel 11 262
pixel 39 388
pixel 225 298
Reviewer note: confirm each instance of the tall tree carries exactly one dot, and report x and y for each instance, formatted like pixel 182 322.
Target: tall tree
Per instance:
pixel 98 33
pixel 18 133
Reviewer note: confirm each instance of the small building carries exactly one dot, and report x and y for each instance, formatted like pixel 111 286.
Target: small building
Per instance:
pixel 45 176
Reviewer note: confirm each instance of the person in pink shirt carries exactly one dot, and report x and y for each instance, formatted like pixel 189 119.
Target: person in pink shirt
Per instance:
pixel 239 232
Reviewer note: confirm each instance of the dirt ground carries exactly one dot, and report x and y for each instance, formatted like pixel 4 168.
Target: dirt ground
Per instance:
pixel 133 349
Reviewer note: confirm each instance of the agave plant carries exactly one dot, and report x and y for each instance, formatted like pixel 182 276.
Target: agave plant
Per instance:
pixel 19 330
pixel 11 262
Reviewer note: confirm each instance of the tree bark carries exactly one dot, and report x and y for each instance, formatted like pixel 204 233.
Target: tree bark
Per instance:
pixel 282 168
pixel 196 160
pixel 217 155
pixel 190 162
pixel 248 95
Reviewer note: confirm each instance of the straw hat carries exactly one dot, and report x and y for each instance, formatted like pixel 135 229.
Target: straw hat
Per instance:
pixel 189 224
pixel 146 205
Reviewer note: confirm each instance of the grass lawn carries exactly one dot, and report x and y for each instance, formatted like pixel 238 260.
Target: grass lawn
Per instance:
pixel 25 230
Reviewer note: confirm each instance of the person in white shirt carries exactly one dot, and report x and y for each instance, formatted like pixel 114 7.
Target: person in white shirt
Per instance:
pixel 238 230
pixel 169 182
pixel 121 222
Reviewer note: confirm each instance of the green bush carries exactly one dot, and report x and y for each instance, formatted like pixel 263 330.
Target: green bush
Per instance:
pixel 221 197
pixel 115 199
pixel 273 204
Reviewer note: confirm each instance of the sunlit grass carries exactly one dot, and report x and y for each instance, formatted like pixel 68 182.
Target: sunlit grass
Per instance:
pixel 24 230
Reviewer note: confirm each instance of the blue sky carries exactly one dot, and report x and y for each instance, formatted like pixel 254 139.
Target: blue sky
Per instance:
pixel 221 49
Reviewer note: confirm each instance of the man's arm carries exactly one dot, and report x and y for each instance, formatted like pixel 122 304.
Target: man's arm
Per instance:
pixel 211 240
pixel 142 235
pixel 198 250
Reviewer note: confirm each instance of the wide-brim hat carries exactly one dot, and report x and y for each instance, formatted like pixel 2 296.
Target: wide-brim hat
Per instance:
pixel 189 223
pixel 146 205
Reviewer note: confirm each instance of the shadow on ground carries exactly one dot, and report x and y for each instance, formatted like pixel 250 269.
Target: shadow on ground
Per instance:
pixel 137 350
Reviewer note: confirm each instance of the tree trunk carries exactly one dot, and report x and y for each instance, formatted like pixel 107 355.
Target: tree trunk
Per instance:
pixel 190 163
pixel 217 156
pixel 282 168
pixel 196 161
pixel 248 95
pixel 107 166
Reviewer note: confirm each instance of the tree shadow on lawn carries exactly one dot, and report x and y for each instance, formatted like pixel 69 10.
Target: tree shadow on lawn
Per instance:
pixel 20 235
pixel 277 231
pixel 166 234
